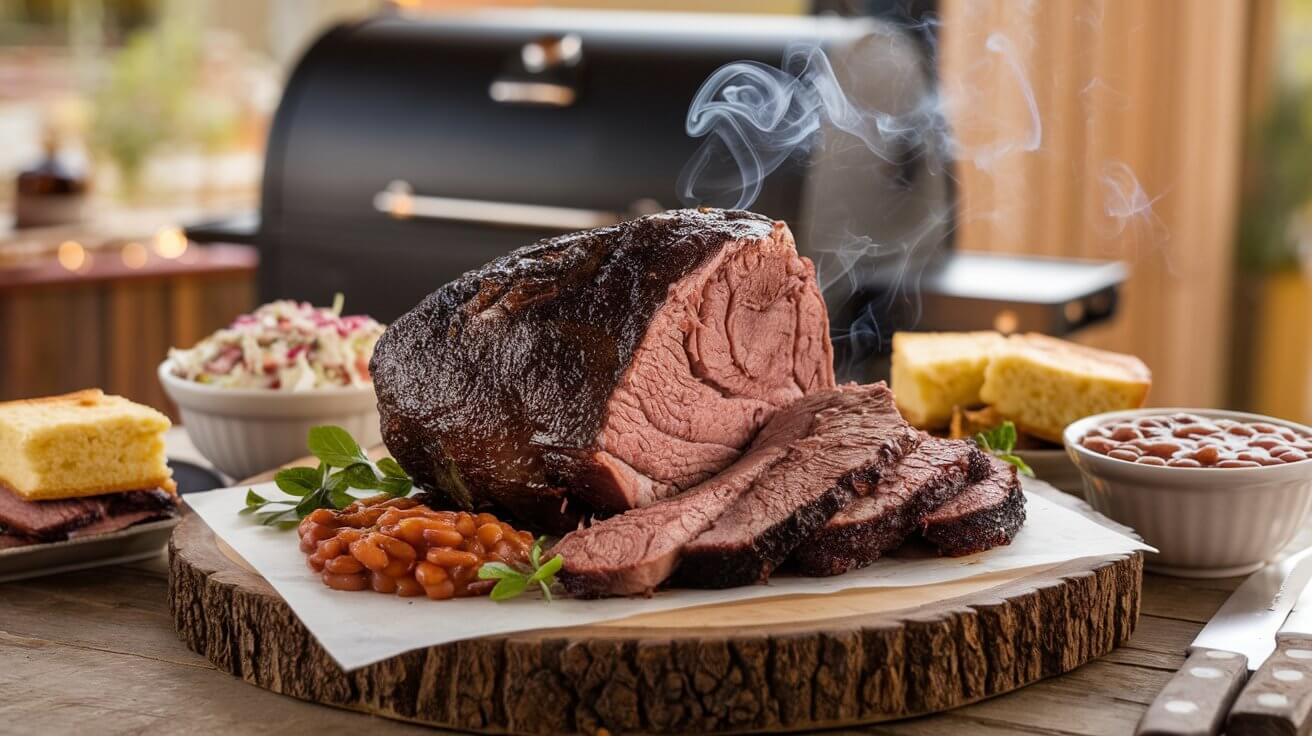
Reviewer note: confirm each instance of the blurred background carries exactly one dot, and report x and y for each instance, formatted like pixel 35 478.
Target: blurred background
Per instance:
pixel 138 211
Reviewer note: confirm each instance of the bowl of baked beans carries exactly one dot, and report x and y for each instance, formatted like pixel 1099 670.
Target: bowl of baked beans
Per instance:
pixel 1218 493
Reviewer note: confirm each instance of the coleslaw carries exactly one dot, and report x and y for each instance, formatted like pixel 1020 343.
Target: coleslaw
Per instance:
pixel 284 346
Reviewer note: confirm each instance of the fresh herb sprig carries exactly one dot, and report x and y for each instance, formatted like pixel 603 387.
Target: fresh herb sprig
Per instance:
pixel 512 582
pixel 1001 443
pixel 322 487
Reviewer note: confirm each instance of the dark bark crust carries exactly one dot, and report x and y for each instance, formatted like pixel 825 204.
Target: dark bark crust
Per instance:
pixel 758 679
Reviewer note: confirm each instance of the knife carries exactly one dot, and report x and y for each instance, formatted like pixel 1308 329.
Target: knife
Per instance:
pixel 1278 698
pixel 1239 638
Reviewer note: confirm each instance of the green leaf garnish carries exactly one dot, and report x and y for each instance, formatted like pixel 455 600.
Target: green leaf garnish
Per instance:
pixel 299 481
pixel 509 587
pixel 362 476
pixel 392 469
pixel 512 582
pixel 334 446
pixel 321 488
pixel 1000 442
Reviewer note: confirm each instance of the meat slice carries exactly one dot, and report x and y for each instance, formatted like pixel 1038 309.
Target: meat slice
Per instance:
pixel 9 541
pixel 636 551
pixel 604 370
pixel 986 515
pixel 53 520
pixel 877 523
pixel 855 434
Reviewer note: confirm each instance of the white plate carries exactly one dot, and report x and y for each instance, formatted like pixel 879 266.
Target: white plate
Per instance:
pixel 137 542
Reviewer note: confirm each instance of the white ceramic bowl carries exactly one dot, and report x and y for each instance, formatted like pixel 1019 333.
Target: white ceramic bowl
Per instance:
pixel 1205 522
pixel 248 431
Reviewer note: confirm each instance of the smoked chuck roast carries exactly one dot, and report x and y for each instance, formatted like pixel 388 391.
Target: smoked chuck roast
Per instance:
pixel 734 529
pixel 878 522
pixel 604 370
pixel 985 515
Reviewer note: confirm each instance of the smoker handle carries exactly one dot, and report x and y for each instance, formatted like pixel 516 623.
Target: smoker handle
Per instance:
pixel 399 200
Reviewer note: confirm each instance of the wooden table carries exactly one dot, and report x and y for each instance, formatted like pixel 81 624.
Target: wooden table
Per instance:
pixel 96 650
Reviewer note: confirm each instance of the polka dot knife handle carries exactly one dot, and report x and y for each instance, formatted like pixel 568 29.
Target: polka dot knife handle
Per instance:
pixel 1195 701
pixel 1278 697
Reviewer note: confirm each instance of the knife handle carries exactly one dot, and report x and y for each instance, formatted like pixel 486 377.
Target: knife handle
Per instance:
pixel 1278 698
pixel 1195 701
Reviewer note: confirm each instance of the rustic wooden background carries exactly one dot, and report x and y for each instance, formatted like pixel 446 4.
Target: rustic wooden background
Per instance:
pixel 1142 107
pixel 74 331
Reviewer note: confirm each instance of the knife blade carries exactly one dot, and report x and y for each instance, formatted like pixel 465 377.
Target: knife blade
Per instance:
pixel 1238 639
pixel 1278 698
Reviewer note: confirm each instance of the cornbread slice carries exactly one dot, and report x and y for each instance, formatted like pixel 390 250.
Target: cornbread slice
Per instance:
pixel 1043 384
pixel 935 371
pixel 81 444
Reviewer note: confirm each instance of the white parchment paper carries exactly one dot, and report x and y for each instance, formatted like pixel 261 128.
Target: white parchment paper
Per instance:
pixel 360 628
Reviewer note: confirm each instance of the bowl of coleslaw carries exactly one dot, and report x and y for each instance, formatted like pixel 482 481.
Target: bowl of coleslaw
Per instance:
pixel 249 393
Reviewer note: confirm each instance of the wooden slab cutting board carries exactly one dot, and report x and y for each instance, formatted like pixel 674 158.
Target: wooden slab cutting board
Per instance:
pixel 793 663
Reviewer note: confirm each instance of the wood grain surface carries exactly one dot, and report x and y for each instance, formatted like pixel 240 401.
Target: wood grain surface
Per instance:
pixel 680 676
pixel 98 647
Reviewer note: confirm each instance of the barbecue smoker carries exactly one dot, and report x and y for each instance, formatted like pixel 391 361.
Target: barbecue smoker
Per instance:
pixel 409 150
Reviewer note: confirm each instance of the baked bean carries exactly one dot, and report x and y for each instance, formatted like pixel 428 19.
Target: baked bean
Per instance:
pixel 1194 430
pixel 369 553
pixel 450 557
pixel 1150 460
pixel 400 547
pixel 489 534
pixel 382 583
pixel 356 581
pixel 408 587
pixel 1163 450
pixel 428 574
pixel 442 591
pixel 396 548
pixel 1125 433
pixel 443 537
pixel 466 525
pixel 1237 464
pixel 1184 462
pixel 1125 455
pixel 1293 456
pixel 397 567
pixel 343 565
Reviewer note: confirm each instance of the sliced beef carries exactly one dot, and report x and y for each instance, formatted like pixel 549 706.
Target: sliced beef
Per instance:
pixel 9 541
pixel 636 551
pixel 604 370
pixel 985 515
pixel 878 522
pixel 855 434
pixel 48 521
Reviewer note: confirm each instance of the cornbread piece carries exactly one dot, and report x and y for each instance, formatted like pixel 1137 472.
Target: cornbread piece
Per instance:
pixel 604 370
pixel 935 371
pixel 879 522
pixel 986 515
pixel 81 444
pixel 856 435
pixel 1043 384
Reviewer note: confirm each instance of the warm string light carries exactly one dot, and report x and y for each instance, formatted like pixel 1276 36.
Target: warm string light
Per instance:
pixel 134 255
pixel 1006 322
pixel 72 256
pixel 170 242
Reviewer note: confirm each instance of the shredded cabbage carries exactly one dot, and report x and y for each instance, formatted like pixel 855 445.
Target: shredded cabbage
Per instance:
pixel 284 346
